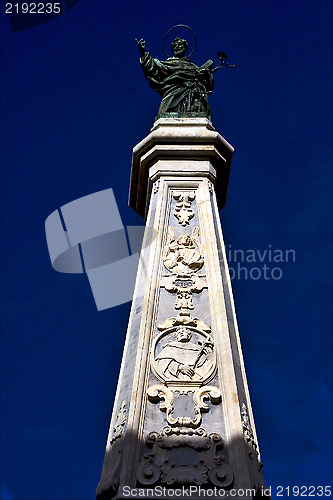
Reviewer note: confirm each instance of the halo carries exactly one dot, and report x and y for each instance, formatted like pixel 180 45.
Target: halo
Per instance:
pixel 180 26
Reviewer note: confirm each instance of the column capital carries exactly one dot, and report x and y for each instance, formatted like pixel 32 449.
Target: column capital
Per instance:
pixel 177 147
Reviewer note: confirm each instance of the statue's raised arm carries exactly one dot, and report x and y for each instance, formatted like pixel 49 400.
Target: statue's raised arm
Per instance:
pixel 142 46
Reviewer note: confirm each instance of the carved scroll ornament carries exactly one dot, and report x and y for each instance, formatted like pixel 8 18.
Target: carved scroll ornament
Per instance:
pixel 165 396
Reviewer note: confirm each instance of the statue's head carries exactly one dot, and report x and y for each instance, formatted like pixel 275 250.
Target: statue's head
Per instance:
pixel 185 240
pixel 183 334
pixel 179 47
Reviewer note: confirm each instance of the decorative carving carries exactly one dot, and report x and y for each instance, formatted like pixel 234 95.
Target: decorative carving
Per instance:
pixel 121 419
pixel 247 429
pixel 255 465
pixel 156 186
pixel 109 483
pixel 181 359
pixel 210 187
pixel 183 256
pixel 201 466
pixel 148 472
pixel 184 287
pixel 165 396
pixel 184 318
pixel 195 473
pixel 209 392
pixel 183 211
pixel 184 300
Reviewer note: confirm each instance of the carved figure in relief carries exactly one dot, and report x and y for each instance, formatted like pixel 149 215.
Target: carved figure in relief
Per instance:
pixel 184 360
pixel 183 256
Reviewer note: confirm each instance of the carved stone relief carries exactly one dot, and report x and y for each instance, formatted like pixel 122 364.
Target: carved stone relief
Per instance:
pixel 183 256
pixel 184 287
pixel 255 466
pixel 184 318
pixel 166 461
pixel 156 186
pixel 183 359
pixel 183 211
pixel 210 187
pixel 184 300
pixel 165 396
pixel 183 354
pixel 121 419
pixel 247 429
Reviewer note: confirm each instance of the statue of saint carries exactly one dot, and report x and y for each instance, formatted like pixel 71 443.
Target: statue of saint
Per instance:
pixel 183 85
pixel 184 360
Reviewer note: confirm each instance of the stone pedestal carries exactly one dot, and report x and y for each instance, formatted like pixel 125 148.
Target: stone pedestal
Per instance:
pixel 182 414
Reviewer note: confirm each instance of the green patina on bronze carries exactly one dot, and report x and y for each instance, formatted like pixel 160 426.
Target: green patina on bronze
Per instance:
pixel 183 85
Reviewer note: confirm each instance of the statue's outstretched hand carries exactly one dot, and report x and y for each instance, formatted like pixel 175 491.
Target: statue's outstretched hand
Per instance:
pixel 142 45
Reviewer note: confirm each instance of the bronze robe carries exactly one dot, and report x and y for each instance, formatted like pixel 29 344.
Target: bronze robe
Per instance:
pixel 183 85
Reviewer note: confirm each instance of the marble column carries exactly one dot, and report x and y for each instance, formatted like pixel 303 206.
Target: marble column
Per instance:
pixel 182 414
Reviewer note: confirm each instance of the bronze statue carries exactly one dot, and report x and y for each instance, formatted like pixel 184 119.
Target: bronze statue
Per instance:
pixel 183 85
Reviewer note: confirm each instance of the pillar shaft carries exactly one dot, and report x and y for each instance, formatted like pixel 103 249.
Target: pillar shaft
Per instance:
pixel 182 413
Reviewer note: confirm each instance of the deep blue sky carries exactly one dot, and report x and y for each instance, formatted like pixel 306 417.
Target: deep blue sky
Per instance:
pixel 74 104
